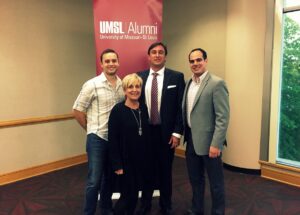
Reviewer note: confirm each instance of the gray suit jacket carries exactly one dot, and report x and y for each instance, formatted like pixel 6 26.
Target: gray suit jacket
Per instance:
pixel 209 115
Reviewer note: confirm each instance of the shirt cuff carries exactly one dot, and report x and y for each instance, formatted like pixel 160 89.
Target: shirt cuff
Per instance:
pixel 176 135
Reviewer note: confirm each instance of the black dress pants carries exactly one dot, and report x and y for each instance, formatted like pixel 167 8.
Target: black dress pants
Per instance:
pixel 196 166
pixel 162 158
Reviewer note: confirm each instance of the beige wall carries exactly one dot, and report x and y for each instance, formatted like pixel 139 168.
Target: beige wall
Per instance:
pixel 245 46
pixel 191 24
pixel 46 53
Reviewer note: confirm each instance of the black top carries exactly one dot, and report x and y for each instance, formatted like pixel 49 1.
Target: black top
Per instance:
pixel 127 148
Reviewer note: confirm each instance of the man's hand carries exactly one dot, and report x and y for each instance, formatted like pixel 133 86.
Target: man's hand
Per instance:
pixel 174 141
pixel 214 152
pixel 119 172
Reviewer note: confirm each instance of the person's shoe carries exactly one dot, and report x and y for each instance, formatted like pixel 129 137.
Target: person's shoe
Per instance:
pixel 190 212
pixel 105 211
pixel 143 210
pixel 166 211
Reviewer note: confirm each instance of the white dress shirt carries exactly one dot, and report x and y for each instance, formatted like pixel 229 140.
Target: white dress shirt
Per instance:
pixel 148 86
pixel 191 95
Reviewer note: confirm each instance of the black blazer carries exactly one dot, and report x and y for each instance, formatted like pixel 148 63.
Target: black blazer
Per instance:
pixel 170 108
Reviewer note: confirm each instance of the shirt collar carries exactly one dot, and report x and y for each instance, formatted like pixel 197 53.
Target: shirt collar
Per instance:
pixel 200 79
pixel 159 72
pixel 103 78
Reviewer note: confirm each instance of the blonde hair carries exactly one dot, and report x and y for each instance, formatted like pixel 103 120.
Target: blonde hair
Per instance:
pixel 131 79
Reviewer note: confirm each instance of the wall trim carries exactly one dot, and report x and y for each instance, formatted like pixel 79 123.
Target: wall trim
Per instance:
pixel 41 169
pixel 281 173
pixel 276 172
pixel 53 166
pixel 35 120
pixel 241 170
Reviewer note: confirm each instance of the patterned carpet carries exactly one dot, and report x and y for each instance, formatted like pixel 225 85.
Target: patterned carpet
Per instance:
pixel 61 193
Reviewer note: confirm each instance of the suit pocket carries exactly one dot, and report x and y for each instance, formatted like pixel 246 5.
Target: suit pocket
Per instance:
pixel 171 86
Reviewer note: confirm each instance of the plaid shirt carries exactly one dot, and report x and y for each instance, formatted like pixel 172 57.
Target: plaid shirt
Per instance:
pixel 96 98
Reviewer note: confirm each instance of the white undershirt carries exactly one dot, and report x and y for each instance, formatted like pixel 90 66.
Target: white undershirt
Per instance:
pixel 148 86
pixel 191 95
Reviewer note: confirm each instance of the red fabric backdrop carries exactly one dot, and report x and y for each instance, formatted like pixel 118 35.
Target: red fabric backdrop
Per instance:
pixel 128 27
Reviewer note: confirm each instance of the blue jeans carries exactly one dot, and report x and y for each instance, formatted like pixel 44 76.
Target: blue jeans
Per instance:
pixel 99 175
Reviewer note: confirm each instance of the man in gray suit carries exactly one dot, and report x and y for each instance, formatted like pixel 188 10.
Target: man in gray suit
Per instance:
pixel 206 115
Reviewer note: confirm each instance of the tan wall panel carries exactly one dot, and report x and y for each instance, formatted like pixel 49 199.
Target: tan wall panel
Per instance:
pixel 46 51
pixel 32 145
pixel 246 29
pixel 192 24
pixel 46 54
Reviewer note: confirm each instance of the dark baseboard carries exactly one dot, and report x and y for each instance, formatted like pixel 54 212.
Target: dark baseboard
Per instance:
pixel 181 153
pixel 242 170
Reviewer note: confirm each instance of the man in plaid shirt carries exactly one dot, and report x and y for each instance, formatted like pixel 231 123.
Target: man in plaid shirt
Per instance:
pixel 91 110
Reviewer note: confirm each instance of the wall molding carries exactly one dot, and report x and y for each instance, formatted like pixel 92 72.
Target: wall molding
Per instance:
pixel 41 169
pixel 35 120
pixel 53 166
pixel 276 172
pixel 281 173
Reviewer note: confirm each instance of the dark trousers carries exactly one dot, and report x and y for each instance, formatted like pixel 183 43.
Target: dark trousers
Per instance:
pixel 196 166
pixel 129 192
pixel 162 158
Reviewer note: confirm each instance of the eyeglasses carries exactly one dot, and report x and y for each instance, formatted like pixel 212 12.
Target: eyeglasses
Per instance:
pixel 198 60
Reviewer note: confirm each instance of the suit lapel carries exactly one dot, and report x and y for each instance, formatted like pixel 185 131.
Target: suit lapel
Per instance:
pixel 202 86
pixel 144 77
pixel 185 99
pixel 165 84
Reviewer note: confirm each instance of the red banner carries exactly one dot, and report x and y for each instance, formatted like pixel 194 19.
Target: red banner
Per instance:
pixel 128 27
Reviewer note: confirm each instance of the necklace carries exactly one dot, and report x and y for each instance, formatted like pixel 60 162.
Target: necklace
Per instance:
pixel 138 122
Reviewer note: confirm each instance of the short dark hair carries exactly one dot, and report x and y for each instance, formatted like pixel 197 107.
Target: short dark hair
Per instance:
pixel 201 50
pixel 108 51
pixel 153 45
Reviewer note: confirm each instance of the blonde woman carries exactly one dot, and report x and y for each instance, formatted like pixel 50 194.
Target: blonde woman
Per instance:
pixel 128 142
